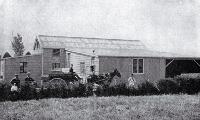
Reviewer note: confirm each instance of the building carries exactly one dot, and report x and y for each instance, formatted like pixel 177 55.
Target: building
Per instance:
pixel 128 56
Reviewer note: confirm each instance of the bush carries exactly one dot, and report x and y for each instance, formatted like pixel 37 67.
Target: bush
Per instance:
pixel 188 85
pixel 147 88
pixel 4 91
pixel 27 92
pixel 60 90
pixel 168 86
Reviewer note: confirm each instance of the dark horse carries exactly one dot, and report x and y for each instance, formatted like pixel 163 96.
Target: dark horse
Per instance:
pixel 101 82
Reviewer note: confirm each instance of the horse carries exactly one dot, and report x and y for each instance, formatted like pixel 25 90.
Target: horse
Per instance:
pixel 98 83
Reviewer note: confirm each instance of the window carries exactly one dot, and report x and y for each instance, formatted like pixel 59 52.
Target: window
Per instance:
pixel 23 67
pixel 55 65
pixel 67 65
pixel 134 65
pixel 92 60
pixel 56 52
pixel 82 67
pixel 138 66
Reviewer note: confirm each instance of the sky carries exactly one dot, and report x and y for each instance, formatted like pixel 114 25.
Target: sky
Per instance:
pixel 162 25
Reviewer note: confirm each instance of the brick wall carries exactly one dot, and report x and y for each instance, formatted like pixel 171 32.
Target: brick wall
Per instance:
pixel 48 59
pixel 12 67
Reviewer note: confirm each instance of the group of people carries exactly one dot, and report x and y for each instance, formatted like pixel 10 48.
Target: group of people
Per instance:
pixel 16 83
pixel 131 80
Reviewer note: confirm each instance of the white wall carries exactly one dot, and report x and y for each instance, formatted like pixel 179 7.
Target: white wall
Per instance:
pixel 75 59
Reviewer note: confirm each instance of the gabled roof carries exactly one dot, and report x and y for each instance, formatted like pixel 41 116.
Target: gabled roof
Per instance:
pixel 90 43
pixel 104 47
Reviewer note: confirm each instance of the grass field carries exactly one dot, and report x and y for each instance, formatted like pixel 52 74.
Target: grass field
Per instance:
pixel 99 108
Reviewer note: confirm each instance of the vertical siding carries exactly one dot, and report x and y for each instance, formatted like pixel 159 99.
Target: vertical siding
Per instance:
pixel 154 68
pixel 12 67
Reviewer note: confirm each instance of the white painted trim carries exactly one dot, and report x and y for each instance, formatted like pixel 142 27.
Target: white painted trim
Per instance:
pixel 169 63
pixel 42 62
pixel 196 62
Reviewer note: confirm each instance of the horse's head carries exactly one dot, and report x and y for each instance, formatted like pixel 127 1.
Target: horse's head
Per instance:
pixel 116 72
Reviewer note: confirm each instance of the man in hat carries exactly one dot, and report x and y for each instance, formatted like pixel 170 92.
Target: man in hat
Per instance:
pixel 15 81
pixel 29 80
pixel 71 70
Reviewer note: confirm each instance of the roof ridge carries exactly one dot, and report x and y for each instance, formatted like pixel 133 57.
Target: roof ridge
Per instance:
pixel 89 38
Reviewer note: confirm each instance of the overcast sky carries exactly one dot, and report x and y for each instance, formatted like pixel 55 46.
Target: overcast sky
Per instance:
pixel 162 25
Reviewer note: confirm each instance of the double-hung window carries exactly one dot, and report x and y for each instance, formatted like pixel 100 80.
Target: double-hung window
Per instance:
pixel 138 65
pixel 23 67
pixel 82 67
pixel 55 66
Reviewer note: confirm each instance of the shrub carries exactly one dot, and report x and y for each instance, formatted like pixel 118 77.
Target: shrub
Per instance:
pixel 27 92
pixel 168 86
pixel 147 88
pixel 121 89
pixel 4 91
pixel 188 85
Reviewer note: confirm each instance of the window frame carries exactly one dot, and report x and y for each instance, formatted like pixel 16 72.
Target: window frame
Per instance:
pixel 138 65
pixel 25 67
pixel 82 69
pixel 54 68
pixel 67 62
pixel 55 55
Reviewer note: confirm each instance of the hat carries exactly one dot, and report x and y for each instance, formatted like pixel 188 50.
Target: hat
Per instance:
pixel 28 73
pixel 16 74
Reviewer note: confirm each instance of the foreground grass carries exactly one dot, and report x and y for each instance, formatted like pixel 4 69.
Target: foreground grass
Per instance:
pixel 136 107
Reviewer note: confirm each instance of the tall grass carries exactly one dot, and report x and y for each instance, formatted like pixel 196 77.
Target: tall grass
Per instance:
pixel 163 107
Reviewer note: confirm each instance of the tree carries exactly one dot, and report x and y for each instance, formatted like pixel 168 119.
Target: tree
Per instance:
pixel 6 55
pixel 17 45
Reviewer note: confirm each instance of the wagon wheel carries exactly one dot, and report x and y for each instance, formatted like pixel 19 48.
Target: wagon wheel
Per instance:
pixel 57 82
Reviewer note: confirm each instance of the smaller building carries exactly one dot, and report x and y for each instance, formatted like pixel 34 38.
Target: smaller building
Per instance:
pixel 21 65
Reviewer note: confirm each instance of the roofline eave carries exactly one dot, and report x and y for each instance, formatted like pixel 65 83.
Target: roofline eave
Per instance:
pixel 151 57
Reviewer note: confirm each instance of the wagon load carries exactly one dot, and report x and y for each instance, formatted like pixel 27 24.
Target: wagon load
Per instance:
pixel 67 77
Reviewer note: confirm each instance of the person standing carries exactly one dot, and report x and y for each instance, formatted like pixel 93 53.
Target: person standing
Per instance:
pixel 15 89
pixel 131 81
pixel 30 87
pixel 15 81
pixel 29 80
pixel 71 70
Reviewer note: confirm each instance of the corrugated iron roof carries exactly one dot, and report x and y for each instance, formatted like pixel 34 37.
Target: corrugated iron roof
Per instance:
pixel 131 53
pixel 104 47
pixel 90 43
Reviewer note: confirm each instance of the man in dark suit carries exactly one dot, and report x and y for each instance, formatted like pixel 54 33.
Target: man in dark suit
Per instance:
pixel 15 81
pixel 29 80
pixel 71 70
